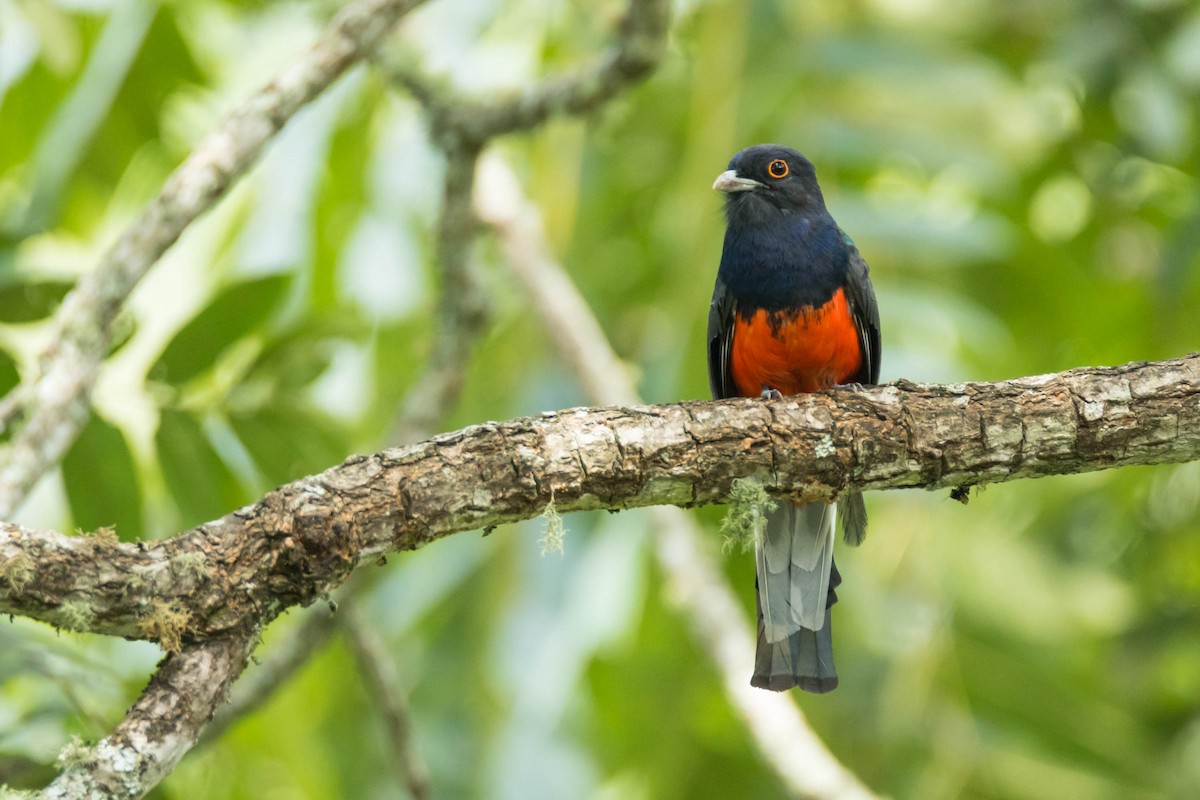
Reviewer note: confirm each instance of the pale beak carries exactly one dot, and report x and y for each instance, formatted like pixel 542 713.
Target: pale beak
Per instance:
pixel 728 181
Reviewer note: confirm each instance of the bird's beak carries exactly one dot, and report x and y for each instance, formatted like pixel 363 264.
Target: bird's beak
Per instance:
pixel 728 182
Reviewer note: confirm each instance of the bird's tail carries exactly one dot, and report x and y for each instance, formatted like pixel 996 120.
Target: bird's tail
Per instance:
pixel 795 589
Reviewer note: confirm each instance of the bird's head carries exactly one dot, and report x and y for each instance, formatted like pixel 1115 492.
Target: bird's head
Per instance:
pixel 767 181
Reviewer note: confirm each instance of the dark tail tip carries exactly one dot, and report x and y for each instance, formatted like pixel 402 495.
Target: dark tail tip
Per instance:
pixel 804 659
pixel 781 683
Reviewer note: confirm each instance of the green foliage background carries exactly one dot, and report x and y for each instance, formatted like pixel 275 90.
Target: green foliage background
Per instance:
pixel 1020 175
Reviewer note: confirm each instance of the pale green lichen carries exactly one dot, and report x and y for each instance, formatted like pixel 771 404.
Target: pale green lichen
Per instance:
pixel 746 515
pixel 8 793
pixel 825 447
pixel 165 623
pixel 76 615
pixel 556 532
pixel 190 563
pixel 134 581
pixel 17 572
pixel 103 538
pixel 76 753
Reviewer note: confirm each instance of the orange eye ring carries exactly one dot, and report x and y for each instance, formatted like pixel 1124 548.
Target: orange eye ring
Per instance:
pixel 777 168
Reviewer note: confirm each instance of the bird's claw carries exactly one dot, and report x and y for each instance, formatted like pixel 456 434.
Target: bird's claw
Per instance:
pixel 771 393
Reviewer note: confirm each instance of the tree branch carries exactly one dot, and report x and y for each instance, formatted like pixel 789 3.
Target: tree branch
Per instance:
pixel 162 726
pixel 463 307
pixel 260 682
pixel 379 672
pixel 304 538
pixel 47 413
pixel 461 121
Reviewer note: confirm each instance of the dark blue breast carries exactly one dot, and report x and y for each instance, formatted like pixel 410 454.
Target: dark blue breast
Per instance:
pixel 797 261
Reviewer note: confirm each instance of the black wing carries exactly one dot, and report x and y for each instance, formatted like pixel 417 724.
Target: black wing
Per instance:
pixel 864 309
pixel 720 341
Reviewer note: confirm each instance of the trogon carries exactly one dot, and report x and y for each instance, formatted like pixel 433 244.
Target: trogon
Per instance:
pixel 793 311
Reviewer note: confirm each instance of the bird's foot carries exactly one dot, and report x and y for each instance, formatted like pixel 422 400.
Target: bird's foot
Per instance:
pixel 771 393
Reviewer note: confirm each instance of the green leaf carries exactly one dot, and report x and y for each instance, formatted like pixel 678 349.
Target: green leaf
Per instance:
pixel 164 63
pixel 201 484
pixel 341 199
pixel 232 314
pixel 9 376
pixel 288 442
pixel 29 302
pixel 298 356
pixel 101 481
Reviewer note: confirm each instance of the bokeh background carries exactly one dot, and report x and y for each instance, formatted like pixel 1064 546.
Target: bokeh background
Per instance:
pixel 1020 175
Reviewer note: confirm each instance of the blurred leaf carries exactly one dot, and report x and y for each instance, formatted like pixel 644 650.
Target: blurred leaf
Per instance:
pixel 33 100
pixel 19 772
pixel 397 353
pixel 101 481
pixel 9 376
pixel 202 485
pixel 28 302
pixel 341 197
pixel 288 443
pixel 233 313
pixel 299 355
pixel 163 64
pixel 69 134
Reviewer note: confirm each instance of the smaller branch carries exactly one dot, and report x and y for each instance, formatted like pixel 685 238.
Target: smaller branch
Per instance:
pixel 382 681
pixel 49 412
pixel 11 408
pixel 162 726
pixel 638 48
pixel 460 128
pixel 463 307
pixel 695 585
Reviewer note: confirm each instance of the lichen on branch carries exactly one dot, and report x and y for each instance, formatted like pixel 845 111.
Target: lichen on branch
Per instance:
pixel 746 517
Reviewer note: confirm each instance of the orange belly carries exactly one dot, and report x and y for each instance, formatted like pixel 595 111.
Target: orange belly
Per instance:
pixel 801 353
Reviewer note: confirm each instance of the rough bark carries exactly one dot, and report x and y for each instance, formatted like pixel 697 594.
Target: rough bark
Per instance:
pixel 298 542
pixel 161 726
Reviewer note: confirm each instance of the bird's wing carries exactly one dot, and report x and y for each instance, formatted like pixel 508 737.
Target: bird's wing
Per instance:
pixel 865 311
pixel 720 343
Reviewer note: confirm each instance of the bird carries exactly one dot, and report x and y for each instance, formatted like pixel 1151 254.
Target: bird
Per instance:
pixel 793 311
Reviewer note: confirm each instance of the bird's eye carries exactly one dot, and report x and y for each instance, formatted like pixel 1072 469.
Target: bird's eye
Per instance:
pixel 777 168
